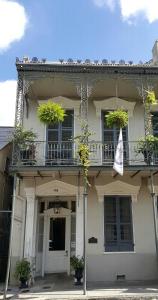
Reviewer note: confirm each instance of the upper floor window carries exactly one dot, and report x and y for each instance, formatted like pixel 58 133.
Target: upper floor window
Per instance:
pixel 112 134
pixel 155 123
pixel 59 148
pixel 110 140
pixel 118 234
pixel 62 132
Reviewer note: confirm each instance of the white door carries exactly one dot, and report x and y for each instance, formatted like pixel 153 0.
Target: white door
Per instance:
pixel 57 244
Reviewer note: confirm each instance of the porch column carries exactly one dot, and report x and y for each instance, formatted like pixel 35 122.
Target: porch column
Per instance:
pixel 79 226
pixel 30 226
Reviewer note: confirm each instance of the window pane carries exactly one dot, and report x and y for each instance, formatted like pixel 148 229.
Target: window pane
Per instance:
pixel 53 204
pixel 52 135
pixel 68 120
pixel 126 232
pixel 108 136
pixel 66 135
pixel 125 210
pixel 110 210
pixel 53 126
pixel 111 233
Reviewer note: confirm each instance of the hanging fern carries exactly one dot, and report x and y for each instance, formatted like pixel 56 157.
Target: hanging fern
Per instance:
pixel 118 118
pixel 50 113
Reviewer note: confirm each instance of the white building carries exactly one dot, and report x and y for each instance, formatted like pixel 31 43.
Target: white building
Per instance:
pixel 48 221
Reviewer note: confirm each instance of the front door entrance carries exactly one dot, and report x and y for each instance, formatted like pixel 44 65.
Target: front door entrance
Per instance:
pixel 57 241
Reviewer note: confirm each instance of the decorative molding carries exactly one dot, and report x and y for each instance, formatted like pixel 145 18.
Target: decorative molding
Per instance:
pixel 117 188
pixel 63 212
pixel 65 102
pixel 56 188
pixel 114 103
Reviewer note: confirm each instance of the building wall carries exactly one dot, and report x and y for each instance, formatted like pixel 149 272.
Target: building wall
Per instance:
pixel 138 265
pixel 141 264
pixel 135 128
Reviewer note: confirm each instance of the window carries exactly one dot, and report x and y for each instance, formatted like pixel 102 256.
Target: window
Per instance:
pixel 59 140
pixel 118 234
pixel 155 123
pixel 110 140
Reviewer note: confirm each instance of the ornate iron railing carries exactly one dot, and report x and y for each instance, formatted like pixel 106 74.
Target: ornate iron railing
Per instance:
pixel 65 153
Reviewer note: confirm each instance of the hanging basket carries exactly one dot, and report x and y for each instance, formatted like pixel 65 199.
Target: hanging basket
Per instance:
pixel 150 98
pixel 50 113
pixel 118 118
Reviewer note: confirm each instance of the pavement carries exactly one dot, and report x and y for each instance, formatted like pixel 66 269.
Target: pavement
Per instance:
pixel 62 287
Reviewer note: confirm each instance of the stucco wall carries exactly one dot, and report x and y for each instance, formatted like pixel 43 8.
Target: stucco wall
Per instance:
pixel 138 265
pixel 141 264
pixel 136 123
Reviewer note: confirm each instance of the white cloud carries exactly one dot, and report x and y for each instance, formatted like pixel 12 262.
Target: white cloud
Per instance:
pixel 13 21
pixel 132 9
pixel 102 3
pixel 7 102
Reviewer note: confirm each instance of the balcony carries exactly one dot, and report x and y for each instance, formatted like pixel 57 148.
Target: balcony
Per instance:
pixel 40 154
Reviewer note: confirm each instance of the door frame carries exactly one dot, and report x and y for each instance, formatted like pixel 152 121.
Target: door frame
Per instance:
pixel 49 213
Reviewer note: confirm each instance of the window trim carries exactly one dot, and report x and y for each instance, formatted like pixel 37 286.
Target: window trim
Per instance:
pixel 116 248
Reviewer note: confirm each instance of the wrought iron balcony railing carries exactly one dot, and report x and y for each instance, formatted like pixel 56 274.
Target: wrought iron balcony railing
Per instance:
pixel 65 153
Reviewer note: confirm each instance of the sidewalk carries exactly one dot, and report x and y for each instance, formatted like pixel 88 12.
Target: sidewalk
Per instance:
pixel 62 287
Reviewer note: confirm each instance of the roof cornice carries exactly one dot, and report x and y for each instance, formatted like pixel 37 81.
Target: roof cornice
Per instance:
pixel 88 69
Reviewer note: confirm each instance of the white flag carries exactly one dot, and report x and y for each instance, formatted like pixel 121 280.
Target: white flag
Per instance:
pixel 118 162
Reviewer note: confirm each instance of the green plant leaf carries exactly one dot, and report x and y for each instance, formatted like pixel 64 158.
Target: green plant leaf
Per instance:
pixel 50 113
pixel 118 118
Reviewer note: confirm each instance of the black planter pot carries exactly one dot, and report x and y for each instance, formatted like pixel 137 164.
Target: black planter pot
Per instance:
pixel 23 283
pixel 78 276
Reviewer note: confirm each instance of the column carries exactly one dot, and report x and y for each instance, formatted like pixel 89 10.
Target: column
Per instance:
pixel 79 226
pixel 30 232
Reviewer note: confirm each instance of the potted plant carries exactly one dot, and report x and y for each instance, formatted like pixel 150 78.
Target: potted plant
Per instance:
pixel 23 272
pixel 77 264
pixel 24 144
pixel 23 138
pixel 118 118
pixel 50 113
pixel 148 146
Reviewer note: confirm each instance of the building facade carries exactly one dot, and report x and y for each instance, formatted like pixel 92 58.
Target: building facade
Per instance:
pixel 48 221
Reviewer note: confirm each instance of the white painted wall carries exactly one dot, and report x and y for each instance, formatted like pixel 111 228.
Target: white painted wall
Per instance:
pixel 135 128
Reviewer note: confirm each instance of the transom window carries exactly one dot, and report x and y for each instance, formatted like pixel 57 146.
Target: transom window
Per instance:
pixel 118 233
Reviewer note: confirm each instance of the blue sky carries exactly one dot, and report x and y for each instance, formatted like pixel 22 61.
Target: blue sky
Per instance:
pixel 53 29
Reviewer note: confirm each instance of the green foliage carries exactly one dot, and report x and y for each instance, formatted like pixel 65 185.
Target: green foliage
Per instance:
pixel 23 269
pixel 22 137
pixel 77 262
pixel 148 143
pixel 118 118
pixel 50 113
pixel 84 150
pixel 150 98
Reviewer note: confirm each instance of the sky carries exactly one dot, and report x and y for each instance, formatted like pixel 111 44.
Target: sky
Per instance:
pixel 78 29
